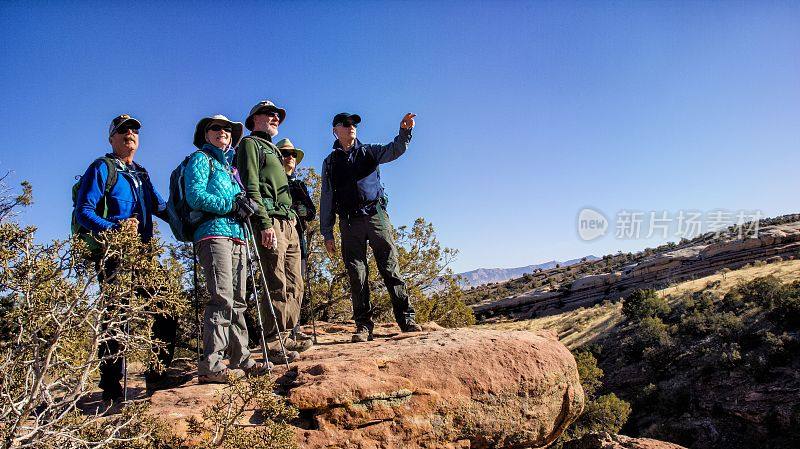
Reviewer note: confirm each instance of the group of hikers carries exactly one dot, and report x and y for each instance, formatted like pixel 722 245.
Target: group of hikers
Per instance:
pixel 242 196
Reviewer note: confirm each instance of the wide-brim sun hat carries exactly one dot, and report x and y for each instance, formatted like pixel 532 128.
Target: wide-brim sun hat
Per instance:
pixel 200 130
pixel 286 144
pixel 264 104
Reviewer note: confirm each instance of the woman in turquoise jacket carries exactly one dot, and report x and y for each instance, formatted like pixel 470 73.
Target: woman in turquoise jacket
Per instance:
pixel 211 188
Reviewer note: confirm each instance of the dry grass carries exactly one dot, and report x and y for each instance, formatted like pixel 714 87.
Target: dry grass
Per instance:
pixel 581 326
pixel 787 271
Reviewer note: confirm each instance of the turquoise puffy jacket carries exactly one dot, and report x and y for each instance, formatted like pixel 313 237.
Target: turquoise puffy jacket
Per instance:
pixel 212 188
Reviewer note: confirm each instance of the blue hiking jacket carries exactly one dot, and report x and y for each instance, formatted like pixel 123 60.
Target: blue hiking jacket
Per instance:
pixel 212 187
pixel 133 194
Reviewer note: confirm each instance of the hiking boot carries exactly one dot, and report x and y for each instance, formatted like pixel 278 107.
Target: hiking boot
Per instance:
pixel 297 334
pixel 258 369
pixel 276 356
pixel 411 326
pixel 297 345
pixel 219 377
pixel 363 333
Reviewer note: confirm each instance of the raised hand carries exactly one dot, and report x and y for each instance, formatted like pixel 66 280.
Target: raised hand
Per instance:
pixel 408 121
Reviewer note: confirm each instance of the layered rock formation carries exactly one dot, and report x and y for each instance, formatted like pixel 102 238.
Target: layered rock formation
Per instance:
pixel 607 441
pixel 438 389
pixel 772 243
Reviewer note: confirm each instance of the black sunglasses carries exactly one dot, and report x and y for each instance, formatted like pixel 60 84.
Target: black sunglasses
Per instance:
pixel 124 130
pixel 288 154
pixel 348 124
pixel 268 113
pixel 219 127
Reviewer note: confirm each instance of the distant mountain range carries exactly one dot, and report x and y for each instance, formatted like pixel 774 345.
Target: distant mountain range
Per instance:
pixel 482 276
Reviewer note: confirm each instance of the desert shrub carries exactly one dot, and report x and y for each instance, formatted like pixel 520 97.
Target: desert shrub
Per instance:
pixel 733 301
pixel 700 323
pixel 446 307
pixel 762 291
pixel 607 413
pixel 221 427
pixel 590 374
pixel 132 428
pixel 643 304
pixel 648 334
pixel 787 307
pixel 57 317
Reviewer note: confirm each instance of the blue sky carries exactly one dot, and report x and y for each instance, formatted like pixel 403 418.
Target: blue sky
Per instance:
pixel 527 111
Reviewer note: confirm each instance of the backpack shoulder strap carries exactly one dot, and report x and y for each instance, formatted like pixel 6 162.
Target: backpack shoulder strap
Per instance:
pixel 209 156
pixel 263 149
pixel 111 181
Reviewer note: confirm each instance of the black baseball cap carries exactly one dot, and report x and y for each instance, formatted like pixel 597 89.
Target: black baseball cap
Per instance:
pixel 120 120
pixel 344 117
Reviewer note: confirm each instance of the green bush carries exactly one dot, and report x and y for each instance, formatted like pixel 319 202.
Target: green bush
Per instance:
pixel 590 374
pixel 762 291
pixel 648 334
pixel 446 307
pixel 643 304
pixel 725 325
pixel 787 307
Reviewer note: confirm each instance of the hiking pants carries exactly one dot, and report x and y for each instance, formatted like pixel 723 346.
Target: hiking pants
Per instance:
pixel 224 264
pixel 282 266
pixel 164 329
pixel 376 230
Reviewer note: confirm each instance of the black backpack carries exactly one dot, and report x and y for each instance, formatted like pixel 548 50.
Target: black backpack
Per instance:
pixel 102 206
pixel 183 221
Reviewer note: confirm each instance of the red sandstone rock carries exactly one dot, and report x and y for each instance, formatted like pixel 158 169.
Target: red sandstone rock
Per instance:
pixel 456 388
pixel 606 441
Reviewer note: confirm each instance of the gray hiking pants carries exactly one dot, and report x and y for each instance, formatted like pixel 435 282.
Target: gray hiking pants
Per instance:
pixel 224 265
pixel 377 230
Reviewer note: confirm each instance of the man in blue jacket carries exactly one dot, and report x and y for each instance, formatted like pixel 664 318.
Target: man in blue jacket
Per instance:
pixel 131 201
pixel 352 190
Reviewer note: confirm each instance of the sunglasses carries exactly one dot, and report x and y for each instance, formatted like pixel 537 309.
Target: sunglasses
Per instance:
pixel 219 127
pixel 348 124
pixel 288 154
pixel 124 130
pixel 268 113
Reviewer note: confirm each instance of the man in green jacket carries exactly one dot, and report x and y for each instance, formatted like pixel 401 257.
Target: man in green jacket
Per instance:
pixel 264 178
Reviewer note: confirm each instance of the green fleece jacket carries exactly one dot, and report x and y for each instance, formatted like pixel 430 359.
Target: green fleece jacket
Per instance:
pixel 261 170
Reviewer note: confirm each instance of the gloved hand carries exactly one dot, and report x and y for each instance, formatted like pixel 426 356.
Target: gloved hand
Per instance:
pixel 243 207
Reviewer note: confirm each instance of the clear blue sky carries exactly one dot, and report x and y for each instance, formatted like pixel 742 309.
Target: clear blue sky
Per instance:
pixel 527 111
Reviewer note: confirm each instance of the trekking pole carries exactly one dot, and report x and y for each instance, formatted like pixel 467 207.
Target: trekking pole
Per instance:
pixel 311 306
pixel 196 302
pixel 257 257
pixel 126 329
pixel 308 293
pixel 250 269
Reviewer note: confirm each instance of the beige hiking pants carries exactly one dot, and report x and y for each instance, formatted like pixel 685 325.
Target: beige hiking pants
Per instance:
pixel 282 266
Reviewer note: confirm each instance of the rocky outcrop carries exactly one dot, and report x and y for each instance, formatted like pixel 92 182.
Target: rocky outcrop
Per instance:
pixel 776 242
pixel 439 389
pixel 607 441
